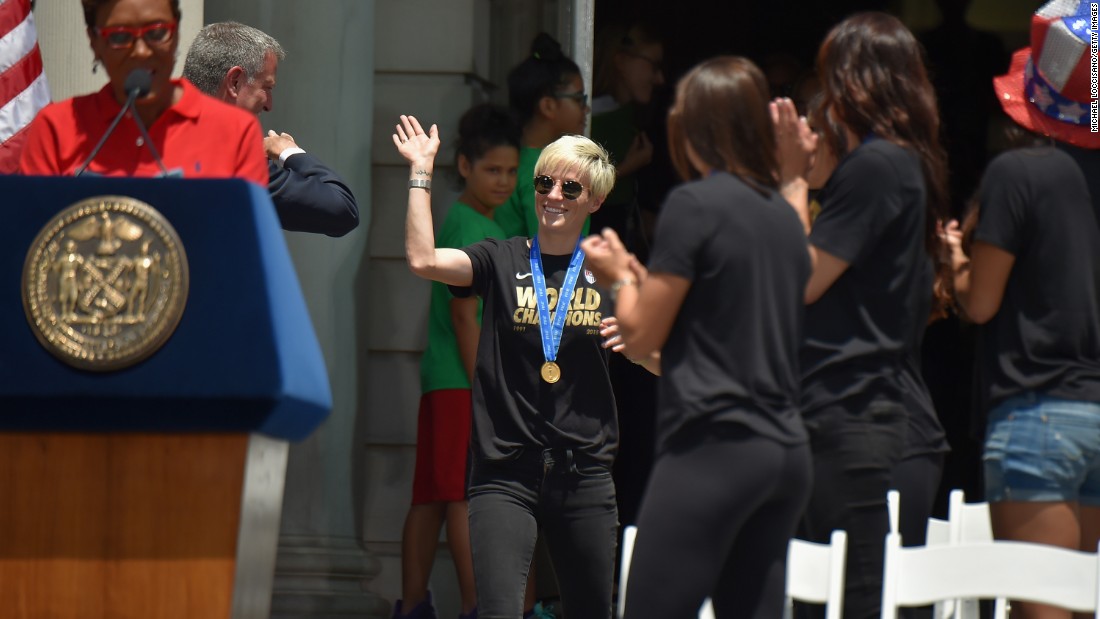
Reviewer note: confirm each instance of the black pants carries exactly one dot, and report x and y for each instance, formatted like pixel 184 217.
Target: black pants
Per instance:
pixel 572 502
pixel 855 454
pixel 720 510
pixel 917 479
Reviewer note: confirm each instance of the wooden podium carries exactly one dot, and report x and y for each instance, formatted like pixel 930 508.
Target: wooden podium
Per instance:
pixel 155 491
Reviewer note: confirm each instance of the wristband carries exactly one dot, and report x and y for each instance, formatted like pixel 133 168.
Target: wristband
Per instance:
pixel 419 183
pixel 626 281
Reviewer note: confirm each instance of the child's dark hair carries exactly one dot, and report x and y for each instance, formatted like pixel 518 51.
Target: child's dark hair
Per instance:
pixel 543 74
pixel 484 127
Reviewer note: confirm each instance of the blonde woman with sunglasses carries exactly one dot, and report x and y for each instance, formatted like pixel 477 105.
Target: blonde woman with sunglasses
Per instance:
pixel 544 429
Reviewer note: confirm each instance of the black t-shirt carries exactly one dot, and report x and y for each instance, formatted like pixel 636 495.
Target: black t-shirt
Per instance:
pixel 513 407
pixel 1089 162
pixel 863 336
pixel 732 354
pixel 1046 335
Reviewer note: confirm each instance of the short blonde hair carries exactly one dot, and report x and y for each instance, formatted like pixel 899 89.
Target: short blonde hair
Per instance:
pixel 571 151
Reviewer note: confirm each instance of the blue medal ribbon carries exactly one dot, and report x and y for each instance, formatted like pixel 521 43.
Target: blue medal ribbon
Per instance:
pixel 551 329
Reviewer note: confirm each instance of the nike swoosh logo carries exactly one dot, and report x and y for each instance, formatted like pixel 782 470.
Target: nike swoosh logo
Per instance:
pixel 522 275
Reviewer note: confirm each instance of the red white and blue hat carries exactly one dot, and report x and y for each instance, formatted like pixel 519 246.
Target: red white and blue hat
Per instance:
pixel 1048 89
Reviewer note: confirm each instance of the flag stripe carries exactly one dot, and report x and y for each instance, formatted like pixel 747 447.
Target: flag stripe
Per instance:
pixel 23 86
pixel 22 109
pixel 19 77
pixel 10 151
pixel 18 42
pixel 13 13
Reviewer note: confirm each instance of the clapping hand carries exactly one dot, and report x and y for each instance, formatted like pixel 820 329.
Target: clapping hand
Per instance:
pixel 952 235
pixel 795 142
pixel 609 331
pixel 607 257
pixel 275 143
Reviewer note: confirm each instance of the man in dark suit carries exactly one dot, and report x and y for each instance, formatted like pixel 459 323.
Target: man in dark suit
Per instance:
pixel 237 64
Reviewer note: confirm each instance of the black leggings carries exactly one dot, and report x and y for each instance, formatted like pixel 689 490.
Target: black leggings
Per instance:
pixel 917 479
pixel 720 509
pixel 854 457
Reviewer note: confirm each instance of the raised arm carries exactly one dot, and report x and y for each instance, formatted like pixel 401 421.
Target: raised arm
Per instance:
pixel 796 147
pixel 450 266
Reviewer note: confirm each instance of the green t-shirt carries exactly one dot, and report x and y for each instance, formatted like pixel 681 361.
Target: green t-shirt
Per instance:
pixel 441 365
pixel 517 216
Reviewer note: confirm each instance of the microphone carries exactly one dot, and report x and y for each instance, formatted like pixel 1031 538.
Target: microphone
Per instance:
pixel 141 81
pixel 138 84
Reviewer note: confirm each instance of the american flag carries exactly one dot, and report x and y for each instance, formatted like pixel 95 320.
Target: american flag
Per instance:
pixel 23 88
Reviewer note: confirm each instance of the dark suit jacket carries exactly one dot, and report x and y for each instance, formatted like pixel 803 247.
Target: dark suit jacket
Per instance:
pixel 310 197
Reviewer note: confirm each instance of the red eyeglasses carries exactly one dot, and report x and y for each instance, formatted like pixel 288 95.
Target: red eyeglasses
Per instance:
pixel 123 37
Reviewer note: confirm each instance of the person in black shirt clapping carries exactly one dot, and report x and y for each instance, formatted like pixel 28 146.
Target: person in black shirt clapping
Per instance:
pixel 875 253
pixel 1032 280
pixel 722 301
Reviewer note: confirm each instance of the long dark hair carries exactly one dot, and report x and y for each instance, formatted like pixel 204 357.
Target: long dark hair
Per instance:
pixel 875 82
pixel 721 110
pixel 544 72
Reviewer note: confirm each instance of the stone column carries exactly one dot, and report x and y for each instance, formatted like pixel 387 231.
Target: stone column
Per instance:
pixel 323 97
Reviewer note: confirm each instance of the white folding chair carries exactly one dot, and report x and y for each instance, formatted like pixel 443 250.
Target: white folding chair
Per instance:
pixel 815 573
pixel 966 523
pixel 629 533
pixel 919 576
pixel 893 509
pixel 969 521
pixel 937 532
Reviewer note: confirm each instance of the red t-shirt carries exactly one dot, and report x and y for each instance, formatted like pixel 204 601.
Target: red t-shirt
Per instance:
pixel 200 136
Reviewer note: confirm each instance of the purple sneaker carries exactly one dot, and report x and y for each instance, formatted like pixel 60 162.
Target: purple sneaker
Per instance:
pixel 423 610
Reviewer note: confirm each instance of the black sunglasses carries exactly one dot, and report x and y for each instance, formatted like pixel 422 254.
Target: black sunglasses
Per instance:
pixel 570 190
pixel 580 97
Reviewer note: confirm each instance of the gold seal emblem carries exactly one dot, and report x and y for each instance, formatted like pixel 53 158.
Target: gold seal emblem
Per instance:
pixel 105 283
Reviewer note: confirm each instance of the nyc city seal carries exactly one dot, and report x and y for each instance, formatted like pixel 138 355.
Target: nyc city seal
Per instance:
pixel 105 283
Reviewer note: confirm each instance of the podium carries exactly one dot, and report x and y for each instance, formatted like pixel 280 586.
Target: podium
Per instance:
pixel 153 490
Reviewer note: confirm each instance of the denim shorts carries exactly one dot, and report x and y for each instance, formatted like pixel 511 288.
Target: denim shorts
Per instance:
pixel 1043 449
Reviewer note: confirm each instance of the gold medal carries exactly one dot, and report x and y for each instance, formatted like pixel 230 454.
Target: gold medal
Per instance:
pixel 550 372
